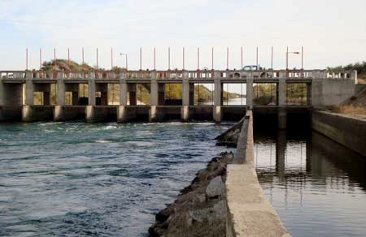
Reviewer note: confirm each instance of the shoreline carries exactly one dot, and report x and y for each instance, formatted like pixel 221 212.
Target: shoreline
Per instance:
pixel 200 209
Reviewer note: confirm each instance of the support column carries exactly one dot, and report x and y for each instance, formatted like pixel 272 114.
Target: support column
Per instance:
pixel 91 92
pixel 90 112
pixel 249 99
pixel 27 112
pixel 185 116
pixel 122 113
pixel 282 114
pixel 217 115
pixel 60 100
pixel 154 100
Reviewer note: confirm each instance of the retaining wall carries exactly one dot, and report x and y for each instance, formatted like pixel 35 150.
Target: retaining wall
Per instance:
pixel 249 212
pixel 346 130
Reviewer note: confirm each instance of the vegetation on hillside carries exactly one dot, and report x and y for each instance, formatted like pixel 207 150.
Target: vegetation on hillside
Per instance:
pixel 360 67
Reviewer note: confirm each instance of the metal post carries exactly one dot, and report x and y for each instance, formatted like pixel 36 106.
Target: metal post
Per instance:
pixel 168 58
pixel 40 59
pixel 257 59
pixel 198 58
pixel 227 58
pixel 68 56
pixel 272 58
pixel 154 59
pixel 140 58
pixel 212 58
pixel 287 58
pixel 126 62
pixel 97 59
pixel 302 58
pixel 82 54
pixel 54 54
pixel 111 58
pixel 26 58
pixel 241 58
pixel 183 58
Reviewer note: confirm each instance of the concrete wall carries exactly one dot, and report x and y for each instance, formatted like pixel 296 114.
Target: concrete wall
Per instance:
pixel 348 131
pixel 249 212
pixel 331 91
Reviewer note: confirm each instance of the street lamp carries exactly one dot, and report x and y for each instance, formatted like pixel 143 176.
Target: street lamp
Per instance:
pixel 125 54
pixel 287 53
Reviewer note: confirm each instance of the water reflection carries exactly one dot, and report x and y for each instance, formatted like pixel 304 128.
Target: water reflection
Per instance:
pixel 317 186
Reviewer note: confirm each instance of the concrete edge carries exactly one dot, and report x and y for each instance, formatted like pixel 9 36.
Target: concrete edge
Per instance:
pixel 249 212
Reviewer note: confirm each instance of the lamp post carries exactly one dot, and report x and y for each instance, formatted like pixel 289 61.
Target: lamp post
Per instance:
pixel 287 53
pixel 126 57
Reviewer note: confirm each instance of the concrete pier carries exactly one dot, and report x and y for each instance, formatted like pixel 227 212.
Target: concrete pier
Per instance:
pixel 85 95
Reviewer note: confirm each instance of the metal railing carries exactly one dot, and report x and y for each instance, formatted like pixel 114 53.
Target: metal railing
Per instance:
pixel 178 74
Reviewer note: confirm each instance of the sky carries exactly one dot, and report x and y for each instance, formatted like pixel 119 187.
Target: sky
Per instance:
pixel 332 32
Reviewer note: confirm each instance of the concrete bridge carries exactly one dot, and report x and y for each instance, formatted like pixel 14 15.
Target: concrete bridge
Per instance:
pixel 18 90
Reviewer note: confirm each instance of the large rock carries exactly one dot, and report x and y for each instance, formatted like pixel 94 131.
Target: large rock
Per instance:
pixel 215 188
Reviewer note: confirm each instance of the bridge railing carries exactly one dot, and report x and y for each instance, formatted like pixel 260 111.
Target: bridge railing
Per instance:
pixel 178 74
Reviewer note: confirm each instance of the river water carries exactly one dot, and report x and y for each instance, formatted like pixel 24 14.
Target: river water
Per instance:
pixel 317 186
pixel 77 179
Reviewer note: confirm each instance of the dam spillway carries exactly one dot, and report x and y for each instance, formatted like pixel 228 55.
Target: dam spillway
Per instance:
pixel 87 94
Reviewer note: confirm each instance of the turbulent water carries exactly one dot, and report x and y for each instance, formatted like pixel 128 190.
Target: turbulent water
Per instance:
pixel 317 186
pixel 77 179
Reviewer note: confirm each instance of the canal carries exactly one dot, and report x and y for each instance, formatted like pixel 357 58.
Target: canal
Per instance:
pixel 317 186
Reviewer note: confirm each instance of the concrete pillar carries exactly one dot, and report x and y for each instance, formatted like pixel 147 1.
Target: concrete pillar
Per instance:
pixel 249 98
pixel 27 110
pixel 60 92
pixel 90 113
pixel 217 115
pixel 29 89
pixel 281 96
pixel 185 100
pixel 154 100
pixel 354 76
pixel 122 114
pixel 91 101
pixel 123 92
pixel 60 100
pixel 91 93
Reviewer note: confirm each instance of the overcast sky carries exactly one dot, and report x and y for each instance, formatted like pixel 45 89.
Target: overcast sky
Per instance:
pixel 333 32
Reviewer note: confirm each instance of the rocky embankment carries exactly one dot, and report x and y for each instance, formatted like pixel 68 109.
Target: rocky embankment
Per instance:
pixel 200 209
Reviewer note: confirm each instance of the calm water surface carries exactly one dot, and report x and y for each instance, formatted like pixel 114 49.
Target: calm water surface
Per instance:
pixel 77 179
pixel 317 186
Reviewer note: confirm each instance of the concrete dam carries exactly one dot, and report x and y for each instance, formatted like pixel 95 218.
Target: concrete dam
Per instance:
pixel 88 94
